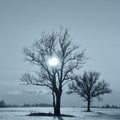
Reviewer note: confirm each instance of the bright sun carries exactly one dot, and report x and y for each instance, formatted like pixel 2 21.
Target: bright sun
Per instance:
pixel 53 61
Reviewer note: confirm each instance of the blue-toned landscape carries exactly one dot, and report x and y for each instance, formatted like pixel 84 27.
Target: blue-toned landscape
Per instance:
pixel 59 59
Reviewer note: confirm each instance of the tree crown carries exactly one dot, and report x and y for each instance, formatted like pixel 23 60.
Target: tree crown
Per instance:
pixel 54 44
pixel 88 86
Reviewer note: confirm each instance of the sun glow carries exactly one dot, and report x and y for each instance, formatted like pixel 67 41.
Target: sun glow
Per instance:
pixel 53 61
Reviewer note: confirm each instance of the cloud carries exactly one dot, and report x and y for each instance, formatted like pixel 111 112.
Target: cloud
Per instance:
pixel 29 91
pixel 14 92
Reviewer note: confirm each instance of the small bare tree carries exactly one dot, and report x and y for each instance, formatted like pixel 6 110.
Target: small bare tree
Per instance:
pixel 55 78
pixel 88 87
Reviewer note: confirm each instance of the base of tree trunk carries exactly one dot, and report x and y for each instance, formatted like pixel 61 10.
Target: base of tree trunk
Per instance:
pixel 87 111
pixel 49 114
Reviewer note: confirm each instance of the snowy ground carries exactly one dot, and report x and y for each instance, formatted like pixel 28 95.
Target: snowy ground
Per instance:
pixel 98 114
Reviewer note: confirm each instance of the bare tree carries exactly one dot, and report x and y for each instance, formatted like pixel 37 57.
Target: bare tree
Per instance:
pixel 55 78
pixel 88 87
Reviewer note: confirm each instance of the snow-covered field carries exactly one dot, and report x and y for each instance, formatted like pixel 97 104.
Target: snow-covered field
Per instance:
pixel 21 114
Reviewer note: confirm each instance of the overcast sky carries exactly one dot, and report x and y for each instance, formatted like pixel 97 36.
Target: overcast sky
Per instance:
pixel 94 24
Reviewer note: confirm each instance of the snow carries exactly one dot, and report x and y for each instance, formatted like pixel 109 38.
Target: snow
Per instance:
pixel 97 114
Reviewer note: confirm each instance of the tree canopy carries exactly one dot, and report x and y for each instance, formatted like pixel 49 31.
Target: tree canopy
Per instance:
pixel 89 87
pixel 60 46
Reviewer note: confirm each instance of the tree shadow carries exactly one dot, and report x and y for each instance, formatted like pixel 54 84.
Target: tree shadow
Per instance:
pixel 58 118
pixel 109 115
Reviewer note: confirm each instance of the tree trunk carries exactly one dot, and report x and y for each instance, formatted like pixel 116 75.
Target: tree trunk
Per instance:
pixel 57 105
pixel 88 106
pixel 53 101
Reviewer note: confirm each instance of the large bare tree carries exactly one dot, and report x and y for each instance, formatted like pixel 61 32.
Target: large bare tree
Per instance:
pixel 55 78
pixel 89 87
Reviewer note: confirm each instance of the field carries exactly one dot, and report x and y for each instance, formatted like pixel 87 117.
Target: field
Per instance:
pixel 21 114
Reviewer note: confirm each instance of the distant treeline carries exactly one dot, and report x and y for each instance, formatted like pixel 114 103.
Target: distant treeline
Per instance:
pixel 110 106
pixel 37 105
pixel 3 104
pixel 105 106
